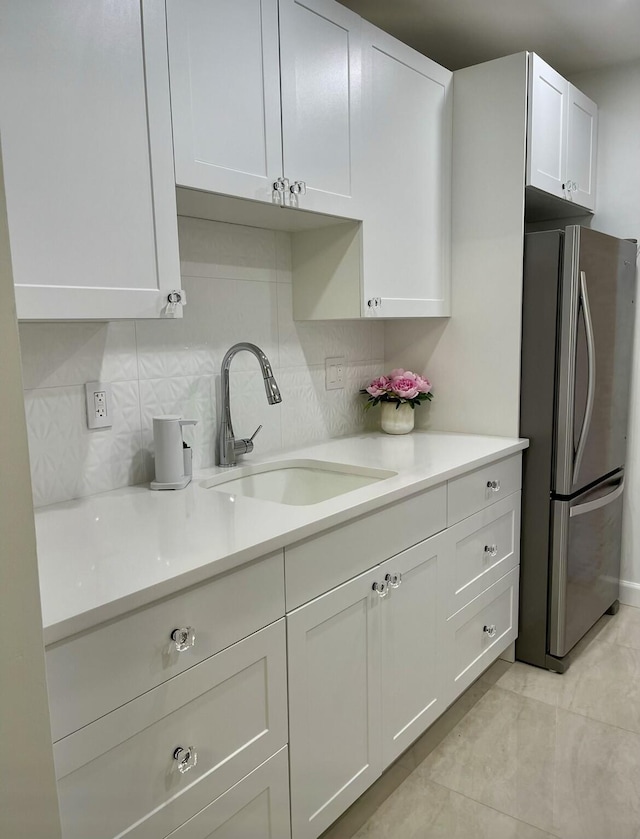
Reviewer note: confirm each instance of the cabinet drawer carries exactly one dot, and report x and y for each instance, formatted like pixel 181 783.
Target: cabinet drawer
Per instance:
pixel 95 672
pixel 468 646
pixel 255 808
pixel 473 492
pixel 317 565
pixel 483 548
pixel 119 777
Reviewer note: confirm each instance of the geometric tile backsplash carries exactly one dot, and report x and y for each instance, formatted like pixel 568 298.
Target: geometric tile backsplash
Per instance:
pixel 238 284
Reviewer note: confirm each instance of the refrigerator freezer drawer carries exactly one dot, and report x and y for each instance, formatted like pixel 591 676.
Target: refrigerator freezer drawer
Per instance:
pixel 585 573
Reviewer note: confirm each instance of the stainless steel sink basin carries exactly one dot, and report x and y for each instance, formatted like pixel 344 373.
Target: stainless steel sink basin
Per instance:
pixel 297 482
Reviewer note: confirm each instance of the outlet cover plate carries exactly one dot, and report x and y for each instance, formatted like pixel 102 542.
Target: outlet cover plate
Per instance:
pixel 334 373
pixel 99 404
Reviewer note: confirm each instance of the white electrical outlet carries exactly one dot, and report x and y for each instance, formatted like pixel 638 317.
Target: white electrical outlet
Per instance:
pixel 99 403
pixel 334 373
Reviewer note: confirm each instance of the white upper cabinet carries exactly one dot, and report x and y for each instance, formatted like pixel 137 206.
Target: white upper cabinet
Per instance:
pixel 561 137
pixel 320 55
pixel 396 264
pixel 547 128
pixel 87 157
pixel 407 221
pixel 225 95
pixel 582 136
pixel 266 93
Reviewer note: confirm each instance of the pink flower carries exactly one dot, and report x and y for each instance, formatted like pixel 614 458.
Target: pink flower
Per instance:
pixel 378 386
pixel 405 387
pixel 423 384
pixel 398 373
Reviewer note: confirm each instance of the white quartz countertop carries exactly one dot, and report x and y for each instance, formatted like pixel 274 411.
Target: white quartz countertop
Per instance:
pixel 104 555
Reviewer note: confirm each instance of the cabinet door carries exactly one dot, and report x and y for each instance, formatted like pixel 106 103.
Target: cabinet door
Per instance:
pixel 87 158
pixel 547 128
pixel 225 95
pixel 410 668
pixel 334 702
pixel 581 148
pixel 320 56
pixel 407 222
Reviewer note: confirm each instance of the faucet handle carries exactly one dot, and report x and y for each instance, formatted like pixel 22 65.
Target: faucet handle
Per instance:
pixel 245 445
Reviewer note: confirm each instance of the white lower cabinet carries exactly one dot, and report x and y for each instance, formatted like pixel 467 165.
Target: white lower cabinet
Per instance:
pixel 363 682
pixel 334 702
pixel 124 776
pixel 255 808
pixel 477 634
pixel 411 697
pixel 374 662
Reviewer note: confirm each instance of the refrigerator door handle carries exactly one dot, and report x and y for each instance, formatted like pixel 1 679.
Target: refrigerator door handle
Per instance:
pixel 590 506
pixel 591 385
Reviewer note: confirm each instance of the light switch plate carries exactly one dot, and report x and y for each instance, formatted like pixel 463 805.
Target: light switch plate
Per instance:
pixel 334 373
pixel 99 404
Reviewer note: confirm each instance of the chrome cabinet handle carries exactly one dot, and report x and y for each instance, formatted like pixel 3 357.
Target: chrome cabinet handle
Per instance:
pixel 394 580
pixel 186 757
pixel 494 486
pixel 490 630
pixel 491 550
pixel 184 638
pixel 298 188
pixel 381 589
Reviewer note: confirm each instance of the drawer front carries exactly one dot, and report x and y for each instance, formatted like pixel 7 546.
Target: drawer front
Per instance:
pixel 473 492
pixel 95 672
pixel 483 548
pixel 119 775
pixel 255 808
pixel 469 648
pixel 324 562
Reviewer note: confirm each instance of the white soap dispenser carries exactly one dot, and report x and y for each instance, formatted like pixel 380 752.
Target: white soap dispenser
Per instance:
pixel 173 456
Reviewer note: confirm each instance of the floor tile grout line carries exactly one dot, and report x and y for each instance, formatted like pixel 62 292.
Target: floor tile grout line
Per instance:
pixel 495 809
pixel 566 710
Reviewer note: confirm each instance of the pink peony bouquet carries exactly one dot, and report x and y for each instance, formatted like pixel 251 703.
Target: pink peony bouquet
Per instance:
pixel 399 386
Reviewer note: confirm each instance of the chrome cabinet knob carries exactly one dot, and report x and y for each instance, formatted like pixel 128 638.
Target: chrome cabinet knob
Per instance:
pixel 491 550
pixel 374 302
pixel 186 758
pixel 184 638
pixel 281 184
pixel 381 589
pixel 494 486
pixel 394 580
pixel 298 188
pixel 490 630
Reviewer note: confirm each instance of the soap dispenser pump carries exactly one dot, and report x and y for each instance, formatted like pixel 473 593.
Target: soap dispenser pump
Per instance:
pixel 173 456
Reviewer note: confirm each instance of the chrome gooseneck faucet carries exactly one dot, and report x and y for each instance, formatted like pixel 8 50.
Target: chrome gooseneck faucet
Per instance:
pixel 228 446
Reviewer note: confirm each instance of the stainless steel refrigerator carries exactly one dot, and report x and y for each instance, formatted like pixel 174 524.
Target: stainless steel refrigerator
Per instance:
pixel 577 336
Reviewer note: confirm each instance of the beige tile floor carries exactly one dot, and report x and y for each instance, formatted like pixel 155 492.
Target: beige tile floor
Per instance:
pixel 525 754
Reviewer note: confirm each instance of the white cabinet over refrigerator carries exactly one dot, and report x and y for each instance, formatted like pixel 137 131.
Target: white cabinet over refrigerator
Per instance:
pixel 561 137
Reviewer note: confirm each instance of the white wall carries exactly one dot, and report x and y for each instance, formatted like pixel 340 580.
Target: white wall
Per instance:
pixel 617 92
pixel 238 284
pixel 28 800
pixel 473 358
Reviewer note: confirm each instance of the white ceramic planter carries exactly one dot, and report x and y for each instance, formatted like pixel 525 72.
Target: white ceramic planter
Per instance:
pixel 397 420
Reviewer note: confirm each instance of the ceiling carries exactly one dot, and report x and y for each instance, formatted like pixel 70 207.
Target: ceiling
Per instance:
pixel 571 35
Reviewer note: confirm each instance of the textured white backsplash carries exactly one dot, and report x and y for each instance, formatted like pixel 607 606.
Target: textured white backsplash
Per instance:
pixel 238 284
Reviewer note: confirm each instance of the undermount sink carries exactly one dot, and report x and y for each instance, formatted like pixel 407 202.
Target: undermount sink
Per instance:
pixel 297 482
